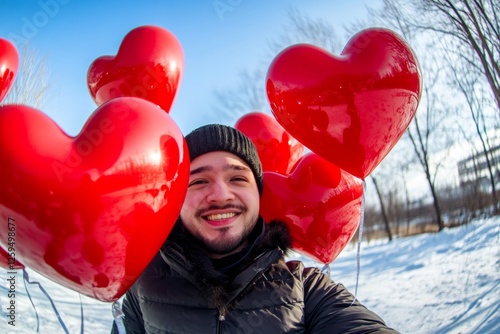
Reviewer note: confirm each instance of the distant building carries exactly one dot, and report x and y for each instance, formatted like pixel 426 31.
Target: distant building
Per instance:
pixel 473 171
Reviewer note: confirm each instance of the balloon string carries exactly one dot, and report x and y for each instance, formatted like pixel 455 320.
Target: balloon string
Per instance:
pixel 360 236
pixel 25 274
pixel 326 269
pixel 118 316
pixel 81 315
pixel 27 280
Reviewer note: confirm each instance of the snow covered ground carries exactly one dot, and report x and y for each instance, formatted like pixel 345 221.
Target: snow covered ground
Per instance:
pixel 447 282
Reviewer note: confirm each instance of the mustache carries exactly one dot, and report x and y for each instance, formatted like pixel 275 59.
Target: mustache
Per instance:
pixel 202 211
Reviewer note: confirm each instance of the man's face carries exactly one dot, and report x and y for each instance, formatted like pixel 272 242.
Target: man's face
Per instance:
pixel 222 202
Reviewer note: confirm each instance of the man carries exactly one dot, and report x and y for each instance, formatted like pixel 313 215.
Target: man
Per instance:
pixel 222 268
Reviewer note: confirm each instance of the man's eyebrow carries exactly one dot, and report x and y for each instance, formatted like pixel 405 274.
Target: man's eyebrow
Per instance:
pixel 201 169
pixel 208 168
pixel 236 167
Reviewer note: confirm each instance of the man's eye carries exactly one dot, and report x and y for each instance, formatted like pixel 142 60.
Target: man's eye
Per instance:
pixel 239 178
pixel 196 182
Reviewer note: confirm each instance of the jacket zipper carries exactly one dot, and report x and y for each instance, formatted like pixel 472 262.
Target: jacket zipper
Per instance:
pixel 222 315
pixel 221 318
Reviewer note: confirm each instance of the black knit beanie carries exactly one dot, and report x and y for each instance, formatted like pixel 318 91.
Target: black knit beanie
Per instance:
pixel 216 137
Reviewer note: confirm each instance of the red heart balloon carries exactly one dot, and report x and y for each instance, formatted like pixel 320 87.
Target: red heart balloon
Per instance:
pixel 91 211
pixel 278 151
pixel 352 109
pixel 9 63
pixel 149 65
pixel 320 203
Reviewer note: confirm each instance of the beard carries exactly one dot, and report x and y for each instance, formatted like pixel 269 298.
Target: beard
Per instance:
pixel 227 241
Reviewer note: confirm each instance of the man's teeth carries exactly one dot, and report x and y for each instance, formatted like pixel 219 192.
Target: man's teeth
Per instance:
pixel 221 216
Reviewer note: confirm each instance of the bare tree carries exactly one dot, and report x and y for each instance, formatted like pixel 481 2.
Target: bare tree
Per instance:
pixel 382 208
pixel 466 39
pixel 474 26
pixel 31 84
pixel 468 29
pixel 419 137
pixel 406 201
pixel 473 50
pixel 478 105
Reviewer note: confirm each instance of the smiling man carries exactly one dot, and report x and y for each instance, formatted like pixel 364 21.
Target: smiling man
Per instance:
pixel 223 270
pixel 222 202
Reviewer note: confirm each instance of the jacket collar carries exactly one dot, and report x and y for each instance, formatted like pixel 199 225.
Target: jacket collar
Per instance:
pixel 184 254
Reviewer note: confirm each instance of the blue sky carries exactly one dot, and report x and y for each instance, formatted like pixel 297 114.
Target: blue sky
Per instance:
pixel 219 38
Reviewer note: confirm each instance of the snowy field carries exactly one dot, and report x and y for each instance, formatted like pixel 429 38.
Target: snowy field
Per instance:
pixel 434 283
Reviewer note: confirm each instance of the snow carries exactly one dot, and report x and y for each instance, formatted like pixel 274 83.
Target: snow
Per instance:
pixel 445 282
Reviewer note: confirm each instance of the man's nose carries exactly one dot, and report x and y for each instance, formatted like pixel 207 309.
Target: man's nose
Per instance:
pixel 220 191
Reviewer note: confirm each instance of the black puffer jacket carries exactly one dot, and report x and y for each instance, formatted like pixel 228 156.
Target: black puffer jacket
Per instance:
pixel 181 292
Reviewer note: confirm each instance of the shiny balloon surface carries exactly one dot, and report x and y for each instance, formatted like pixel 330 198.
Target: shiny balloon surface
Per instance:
pixel 351 109
pixel 278 151
pixel 319 202
pixel 9 64
pixel 149 65
pixel 92 210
